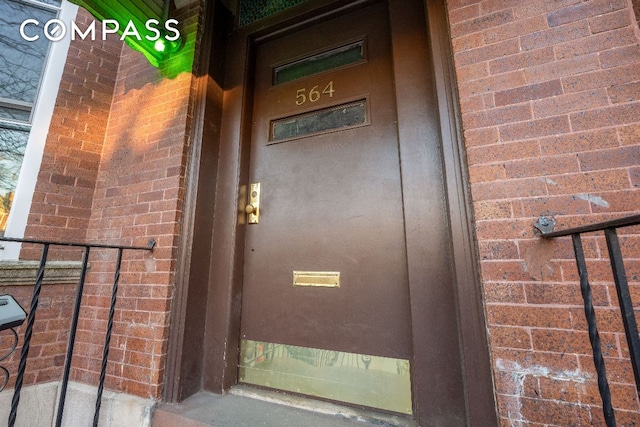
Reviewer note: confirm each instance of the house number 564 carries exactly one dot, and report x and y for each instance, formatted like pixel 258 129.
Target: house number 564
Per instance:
pixel 314 94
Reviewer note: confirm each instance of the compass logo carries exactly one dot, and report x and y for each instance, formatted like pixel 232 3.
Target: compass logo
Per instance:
pixel 55 30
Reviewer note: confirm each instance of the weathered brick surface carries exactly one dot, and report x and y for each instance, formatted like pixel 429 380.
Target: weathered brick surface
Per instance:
pixel 550 101
pixel 113 172
pixel 50 333
pixel 138 195
pixel 63 196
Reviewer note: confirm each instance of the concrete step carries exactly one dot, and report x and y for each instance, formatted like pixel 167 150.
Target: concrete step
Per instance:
pixel 245 406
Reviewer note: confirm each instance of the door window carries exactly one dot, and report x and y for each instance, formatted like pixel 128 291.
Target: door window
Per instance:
pixel 331 59
pixel 340 117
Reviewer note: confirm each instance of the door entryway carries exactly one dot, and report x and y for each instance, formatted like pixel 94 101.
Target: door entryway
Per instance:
pixel 330 253
pixel 325 309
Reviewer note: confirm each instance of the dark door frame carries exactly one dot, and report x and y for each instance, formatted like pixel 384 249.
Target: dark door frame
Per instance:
pixel 452 386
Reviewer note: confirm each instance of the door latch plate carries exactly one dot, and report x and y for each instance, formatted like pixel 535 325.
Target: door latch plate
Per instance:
pixel 253 208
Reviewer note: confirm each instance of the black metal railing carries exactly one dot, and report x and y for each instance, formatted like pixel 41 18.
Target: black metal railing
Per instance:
pixel 31 317
pixel 545 225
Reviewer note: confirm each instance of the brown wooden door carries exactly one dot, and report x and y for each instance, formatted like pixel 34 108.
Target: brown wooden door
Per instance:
pixel 325 152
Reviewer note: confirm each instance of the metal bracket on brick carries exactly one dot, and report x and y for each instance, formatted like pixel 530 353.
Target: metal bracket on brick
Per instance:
pixel 545 224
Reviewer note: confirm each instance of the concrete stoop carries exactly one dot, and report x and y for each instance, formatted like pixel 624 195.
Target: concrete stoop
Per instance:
pixel 245 406
pixel 39 403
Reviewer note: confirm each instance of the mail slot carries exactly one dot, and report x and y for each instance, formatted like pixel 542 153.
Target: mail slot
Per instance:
pixel 323 279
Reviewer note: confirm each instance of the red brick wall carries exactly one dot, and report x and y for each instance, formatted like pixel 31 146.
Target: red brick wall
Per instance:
pixel 550 101
pixel 63 195
pixel 113 172
pixel 50 333
pixel 138 195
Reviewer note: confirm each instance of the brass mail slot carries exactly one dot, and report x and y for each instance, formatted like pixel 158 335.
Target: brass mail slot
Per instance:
pixel 325 279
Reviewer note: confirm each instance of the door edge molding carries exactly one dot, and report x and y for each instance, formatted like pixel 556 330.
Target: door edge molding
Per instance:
pixel 478 377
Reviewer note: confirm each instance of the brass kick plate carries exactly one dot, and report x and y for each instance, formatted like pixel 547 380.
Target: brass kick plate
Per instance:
pixel 359 379
pixel 323 279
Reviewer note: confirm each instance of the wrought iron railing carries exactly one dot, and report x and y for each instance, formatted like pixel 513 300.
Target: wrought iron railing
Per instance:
pixel 31 317
pixel 545 225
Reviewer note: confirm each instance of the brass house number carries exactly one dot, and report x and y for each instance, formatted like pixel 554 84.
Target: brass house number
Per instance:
pixel 314 94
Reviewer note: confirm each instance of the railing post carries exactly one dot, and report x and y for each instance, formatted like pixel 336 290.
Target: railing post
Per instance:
pixel 107 340
pixel 31 318
pixel 594 336
pixel 624 299
pixel 74 324
pixel 72 337
pixel 545 226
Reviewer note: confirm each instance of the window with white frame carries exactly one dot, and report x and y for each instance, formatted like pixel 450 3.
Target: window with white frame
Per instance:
pixel 30 73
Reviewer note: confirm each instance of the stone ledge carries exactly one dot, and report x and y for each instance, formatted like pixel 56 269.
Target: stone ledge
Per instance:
pixel 20 273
